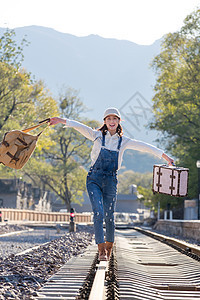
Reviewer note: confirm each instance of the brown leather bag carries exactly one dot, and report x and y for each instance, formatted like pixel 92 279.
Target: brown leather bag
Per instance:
pixel 17 146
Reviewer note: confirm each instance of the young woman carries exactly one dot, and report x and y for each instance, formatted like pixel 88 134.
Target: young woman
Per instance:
pixel 109 145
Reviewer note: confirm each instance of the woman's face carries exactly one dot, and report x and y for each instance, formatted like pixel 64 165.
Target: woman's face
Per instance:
pixel 112 122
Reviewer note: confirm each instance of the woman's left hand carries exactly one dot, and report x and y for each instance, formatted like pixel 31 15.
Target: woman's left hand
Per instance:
pixel 168 159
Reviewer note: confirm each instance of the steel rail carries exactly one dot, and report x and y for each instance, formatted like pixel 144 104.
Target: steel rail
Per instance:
pixel 182 246
pixel 31 249
pixel 15 232
pixel 98 287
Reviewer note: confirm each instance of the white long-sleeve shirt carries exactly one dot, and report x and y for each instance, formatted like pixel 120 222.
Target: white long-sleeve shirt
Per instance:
pixel 111 142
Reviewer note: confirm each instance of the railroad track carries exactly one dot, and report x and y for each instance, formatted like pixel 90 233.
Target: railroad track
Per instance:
pixel 143 266
pixel 149 269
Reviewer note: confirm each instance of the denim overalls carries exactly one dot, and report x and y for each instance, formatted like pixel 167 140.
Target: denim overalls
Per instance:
pixel 102 190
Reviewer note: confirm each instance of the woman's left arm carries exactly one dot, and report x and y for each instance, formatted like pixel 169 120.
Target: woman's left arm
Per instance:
pixel 145 147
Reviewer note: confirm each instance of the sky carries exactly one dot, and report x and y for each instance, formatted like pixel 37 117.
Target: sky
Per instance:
pixel 139 21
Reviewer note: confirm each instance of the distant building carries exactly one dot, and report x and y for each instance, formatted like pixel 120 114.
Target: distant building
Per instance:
pixel 15 193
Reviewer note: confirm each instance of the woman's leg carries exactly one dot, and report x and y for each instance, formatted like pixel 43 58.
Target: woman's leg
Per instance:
pixel 96 199
pixel 109 202
pixel 95 194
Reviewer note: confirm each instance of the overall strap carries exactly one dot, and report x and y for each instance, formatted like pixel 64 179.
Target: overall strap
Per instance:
pixel 103 140
pixel 119 143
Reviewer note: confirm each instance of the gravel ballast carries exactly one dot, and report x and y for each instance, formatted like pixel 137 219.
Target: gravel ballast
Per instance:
pixel 11 228
pixel 19 242
pixel 22 275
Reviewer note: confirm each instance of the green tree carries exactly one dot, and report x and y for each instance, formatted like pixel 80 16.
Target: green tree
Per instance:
pixel 11 52
pixel 22 104
pixel 21 101
pixel 61 168
pixel 176 102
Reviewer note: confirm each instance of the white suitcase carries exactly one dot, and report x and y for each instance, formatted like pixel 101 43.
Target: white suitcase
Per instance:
pixel 170 180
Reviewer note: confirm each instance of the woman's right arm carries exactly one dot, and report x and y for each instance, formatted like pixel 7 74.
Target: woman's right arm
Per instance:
pixel 85 130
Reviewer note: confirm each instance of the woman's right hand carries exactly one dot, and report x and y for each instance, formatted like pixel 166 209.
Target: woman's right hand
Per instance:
pixel 56 120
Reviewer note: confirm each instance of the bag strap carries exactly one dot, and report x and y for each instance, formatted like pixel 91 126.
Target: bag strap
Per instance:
pixel 36 126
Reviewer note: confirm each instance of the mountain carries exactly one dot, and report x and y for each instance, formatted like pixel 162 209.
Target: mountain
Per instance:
pixel 107 72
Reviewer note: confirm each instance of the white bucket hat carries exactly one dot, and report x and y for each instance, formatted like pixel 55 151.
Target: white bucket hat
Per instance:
pixel 112 111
